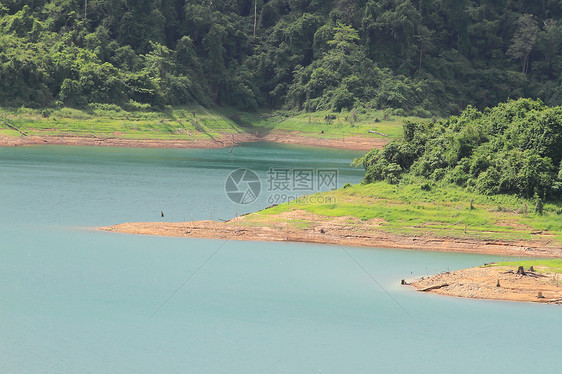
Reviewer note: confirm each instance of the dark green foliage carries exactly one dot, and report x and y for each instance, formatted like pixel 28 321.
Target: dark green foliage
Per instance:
pixel 515 147
pixel 424 58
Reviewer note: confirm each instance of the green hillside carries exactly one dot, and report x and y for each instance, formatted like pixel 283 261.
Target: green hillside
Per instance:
pixel 420 58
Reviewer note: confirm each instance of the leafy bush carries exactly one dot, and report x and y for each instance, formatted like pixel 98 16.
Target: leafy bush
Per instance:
pixel 511 148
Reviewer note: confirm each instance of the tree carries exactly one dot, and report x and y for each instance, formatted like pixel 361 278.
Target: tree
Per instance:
pixel 424 37
pixel 524 40
pixel 345 38
pixel 550 39
pixel 255 17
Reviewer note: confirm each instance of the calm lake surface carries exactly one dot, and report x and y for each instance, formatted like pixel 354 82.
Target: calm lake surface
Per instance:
pixel 76 300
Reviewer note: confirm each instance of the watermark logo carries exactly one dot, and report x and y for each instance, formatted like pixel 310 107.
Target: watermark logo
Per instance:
pixel 243 186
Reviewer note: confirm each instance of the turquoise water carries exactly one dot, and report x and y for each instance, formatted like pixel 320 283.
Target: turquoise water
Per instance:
pixel 73 299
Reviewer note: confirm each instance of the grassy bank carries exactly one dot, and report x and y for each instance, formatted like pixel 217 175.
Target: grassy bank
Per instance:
pixel 447 211
pixel 376 123
pixel 541 266
pixel 112 121
pixel 102 120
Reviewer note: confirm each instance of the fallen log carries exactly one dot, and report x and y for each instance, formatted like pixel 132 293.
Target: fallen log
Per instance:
pixel 534 275
pixel 378 133
pixel 434 287
pixel 15 128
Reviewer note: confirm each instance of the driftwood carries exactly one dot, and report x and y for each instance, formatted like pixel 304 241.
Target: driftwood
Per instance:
pixel 527 273
pixel 534 275
pixel 15 128
pixel 378 133
pixel 436 287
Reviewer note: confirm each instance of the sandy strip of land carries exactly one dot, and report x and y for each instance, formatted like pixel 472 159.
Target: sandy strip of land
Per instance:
pixel 348 231
pixel 350 143
pixel 495 282
pixel 117 142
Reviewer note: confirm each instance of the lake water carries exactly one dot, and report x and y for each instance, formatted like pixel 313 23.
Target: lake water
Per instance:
pixel 76 300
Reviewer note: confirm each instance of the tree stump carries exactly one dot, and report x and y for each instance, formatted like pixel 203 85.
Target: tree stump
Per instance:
pixel 521 271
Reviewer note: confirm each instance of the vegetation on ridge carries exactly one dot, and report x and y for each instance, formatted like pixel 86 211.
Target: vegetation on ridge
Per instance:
pixel 417 58
pixel 515 148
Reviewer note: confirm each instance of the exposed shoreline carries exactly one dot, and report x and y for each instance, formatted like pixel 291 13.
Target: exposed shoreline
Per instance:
pixel 349 231
pixel 336 231
pixel 352 142
pixel 495 283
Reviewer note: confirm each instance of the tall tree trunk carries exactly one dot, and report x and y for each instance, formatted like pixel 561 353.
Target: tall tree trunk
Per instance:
pixel 526 63
pixel 255 17
pixel 421 54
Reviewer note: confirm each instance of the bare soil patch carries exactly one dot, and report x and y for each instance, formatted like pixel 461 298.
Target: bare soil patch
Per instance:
pixel 497 283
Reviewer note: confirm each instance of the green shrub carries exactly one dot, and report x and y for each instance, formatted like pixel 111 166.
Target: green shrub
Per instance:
pixel 511 148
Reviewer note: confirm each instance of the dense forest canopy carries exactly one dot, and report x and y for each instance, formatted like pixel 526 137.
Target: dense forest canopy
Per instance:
pixel 421 57
pixel 515 147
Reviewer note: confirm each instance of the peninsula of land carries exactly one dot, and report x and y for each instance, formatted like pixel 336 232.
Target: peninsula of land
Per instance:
pixel 302 226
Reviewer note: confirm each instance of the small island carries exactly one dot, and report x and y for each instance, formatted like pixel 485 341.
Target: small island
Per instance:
pixel 540 282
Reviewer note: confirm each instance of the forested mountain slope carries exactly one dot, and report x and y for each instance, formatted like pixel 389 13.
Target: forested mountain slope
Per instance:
pixel 421 57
